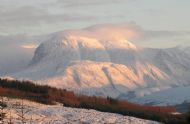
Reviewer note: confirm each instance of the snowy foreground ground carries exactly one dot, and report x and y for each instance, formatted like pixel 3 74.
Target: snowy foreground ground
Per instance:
pixel 57 114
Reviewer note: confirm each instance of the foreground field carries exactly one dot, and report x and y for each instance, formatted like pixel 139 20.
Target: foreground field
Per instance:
pixel 57 114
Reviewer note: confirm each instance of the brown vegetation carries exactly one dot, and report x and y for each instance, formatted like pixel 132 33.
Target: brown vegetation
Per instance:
pixel 49 95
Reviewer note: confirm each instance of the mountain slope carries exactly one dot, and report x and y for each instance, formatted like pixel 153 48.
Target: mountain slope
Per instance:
pixel 106 67
pixel 173 96
pixel 104 78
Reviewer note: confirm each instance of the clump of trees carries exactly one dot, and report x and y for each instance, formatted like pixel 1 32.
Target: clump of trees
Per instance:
pixel 49 95
pixel 24 89
pixel 188 115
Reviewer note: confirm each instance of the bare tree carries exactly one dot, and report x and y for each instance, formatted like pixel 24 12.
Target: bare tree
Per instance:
pixel 22 110
pixel 31 119
pixel 10 117
pixel 2 107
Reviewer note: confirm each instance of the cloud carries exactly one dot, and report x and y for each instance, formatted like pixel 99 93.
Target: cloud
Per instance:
pixel 33 20
pixel 127 31
pixel 82 3
pixel 164 38
pixel 165 34
pixel 12 56
pixel 134 33
pixel 28 15
pixel 21 15
pixel 29 46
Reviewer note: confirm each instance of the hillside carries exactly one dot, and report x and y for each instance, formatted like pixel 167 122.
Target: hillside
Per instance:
pixel 43 114
pixel 172 96
pixel 52 96
pixel 106 66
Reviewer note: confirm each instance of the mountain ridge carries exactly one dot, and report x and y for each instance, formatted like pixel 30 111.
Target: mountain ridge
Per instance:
pixel 90 65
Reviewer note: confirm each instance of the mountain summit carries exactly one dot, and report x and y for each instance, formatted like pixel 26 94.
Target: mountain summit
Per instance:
pixel 108 66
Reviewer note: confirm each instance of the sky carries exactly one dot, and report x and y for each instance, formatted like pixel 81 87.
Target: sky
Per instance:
pixel 161 23
pixel 37 17
pixel 47 16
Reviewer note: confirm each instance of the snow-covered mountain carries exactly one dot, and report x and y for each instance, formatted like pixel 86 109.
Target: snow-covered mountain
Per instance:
pixel 113 67
pixel 172 96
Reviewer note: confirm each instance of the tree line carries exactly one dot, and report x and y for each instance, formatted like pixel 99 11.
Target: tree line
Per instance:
pixel 49 95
